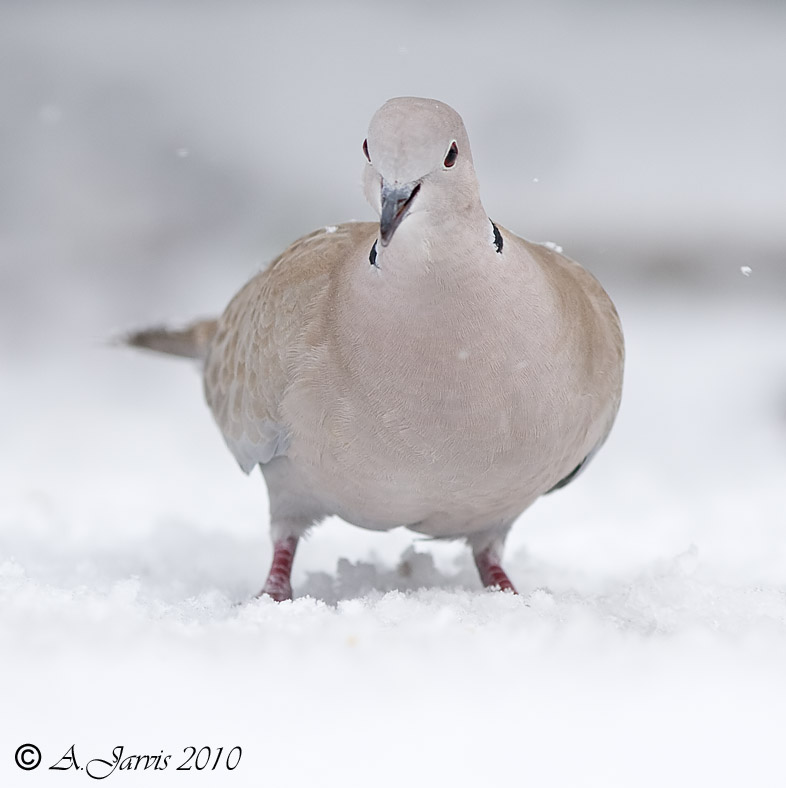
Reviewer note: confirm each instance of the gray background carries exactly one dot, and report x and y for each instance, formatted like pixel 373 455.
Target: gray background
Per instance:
pixel 153 155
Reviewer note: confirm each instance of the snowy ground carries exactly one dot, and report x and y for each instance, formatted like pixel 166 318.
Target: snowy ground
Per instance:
pixel 647 646
pixel 144 180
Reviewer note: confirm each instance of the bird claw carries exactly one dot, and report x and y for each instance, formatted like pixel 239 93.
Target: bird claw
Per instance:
pixel 277 592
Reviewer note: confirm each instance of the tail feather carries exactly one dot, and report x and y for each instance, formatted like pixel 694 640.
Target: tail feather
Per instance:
pixel 190 342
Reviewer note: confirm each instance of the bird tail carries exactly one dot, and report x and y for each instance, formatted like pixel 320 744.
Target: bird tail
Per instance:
pixel 190 342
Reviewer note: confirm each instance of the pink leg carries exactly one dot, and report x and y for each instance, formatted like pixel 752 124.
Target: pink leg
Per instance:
pixel 278 584
pixel 491 573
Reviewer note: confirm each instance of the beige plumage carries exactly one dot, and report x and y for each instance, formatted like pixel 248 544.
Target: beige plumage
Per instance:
pixel 432 370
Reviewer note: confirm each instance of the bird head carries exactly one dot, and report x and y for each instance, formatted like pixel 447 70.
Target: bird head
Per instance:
pixel 418 163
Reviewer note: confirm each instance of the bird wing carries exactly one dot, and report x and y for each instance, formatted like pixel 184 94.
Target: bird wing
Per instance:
pixel 598 344
pixel 249 362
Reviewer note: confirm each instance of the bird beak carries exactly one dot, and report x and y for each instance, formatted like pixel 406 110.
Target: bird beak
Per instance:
pixel 396 201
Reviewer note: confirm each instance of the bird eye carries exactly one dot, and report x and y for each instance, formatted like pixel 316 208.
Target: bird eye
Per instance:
pixel 365 149
pixel 452 155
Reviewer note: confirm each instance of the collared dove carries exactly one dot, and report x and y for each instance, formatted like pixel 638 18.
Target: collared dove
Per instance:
pixel 431 370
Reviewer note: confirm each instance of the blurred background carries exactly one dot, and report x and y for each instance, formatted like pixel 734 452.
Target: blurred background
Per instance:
pixel 155 155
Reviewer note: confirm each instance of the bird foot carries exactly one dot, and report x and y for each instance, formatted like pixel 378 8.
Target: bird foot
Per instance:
pixel 492 575
pixel 278 585
pixel 276 590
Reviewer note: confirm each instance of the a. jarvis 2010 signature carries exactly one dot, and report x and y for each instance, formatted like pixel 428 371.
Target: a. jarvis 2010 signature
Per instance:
pixel 206 758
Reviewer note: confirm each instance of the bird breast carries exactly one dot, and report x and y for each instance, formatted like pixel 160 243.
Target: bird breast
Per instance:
pixel 438 403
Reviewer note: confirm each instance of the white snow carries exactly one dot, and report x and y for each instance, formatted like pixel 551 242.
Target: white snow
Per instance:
pixel 647 646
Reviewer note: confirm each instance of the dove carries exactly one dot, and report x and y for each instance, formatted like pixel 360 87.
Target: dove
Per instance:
pixel 430 370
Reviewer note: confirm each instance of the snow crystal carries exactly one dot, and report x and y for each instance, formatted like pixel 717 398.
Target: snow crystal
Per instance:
pixel 746 270
pixel 554 247
pixel 331 228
